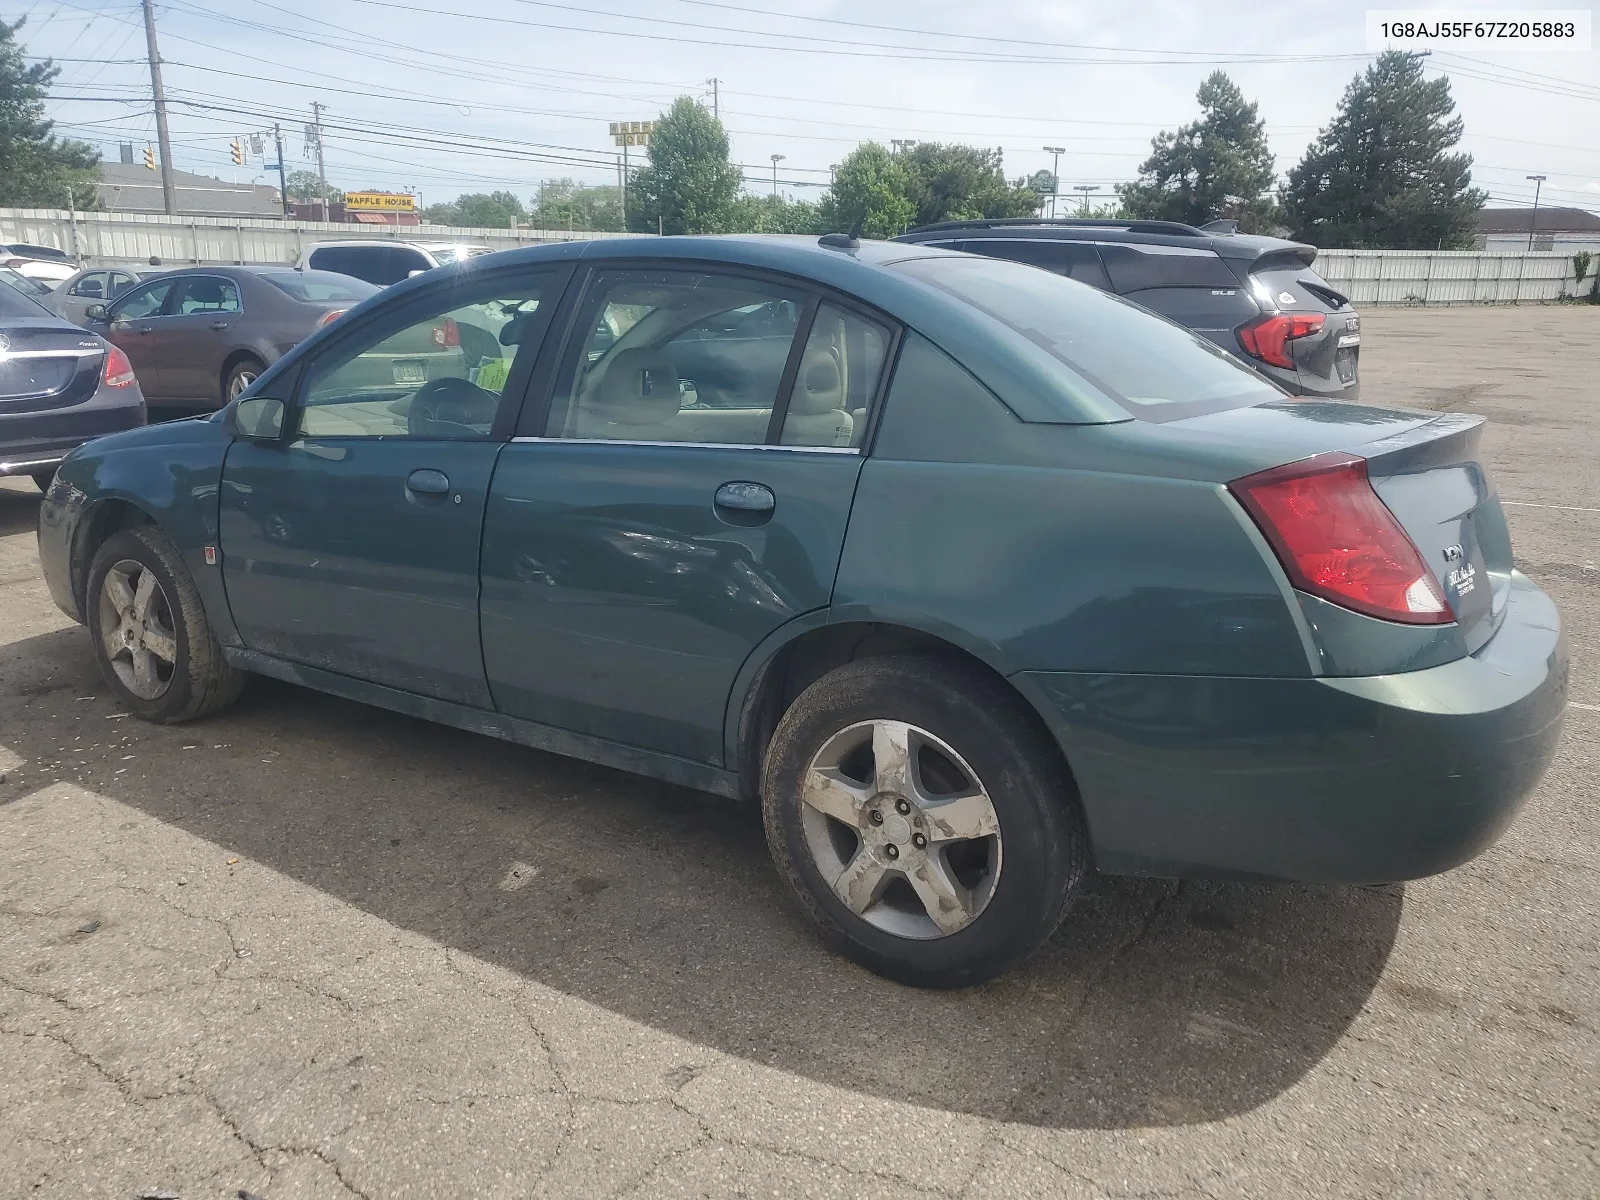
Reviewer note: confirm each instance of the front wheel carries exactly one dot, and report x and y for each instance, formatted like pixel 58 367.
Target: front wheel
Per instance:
pixel 240 376
pixel 150 632
pixel 926 823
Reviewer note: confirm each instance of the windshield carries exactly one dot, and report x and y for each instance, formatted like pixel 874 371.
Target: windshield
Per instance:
pixel 28 287
pixel 1151 367
pixel 319 287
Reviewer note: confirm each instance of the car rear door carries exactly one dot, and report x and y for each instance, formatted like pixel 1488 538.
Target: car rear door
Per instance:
pixel 195 336
pixel 133 324
pixel 351 545
pixel 646 533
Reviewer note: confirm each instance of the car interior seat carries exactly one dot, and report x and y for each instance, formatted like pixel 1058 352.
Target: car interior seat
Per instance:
pixel 635 398
pixel 816 409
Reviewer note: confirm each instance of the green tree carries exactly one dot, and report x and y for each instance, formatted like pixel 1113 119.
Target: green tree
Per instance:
pixel 306 186
pixel 870 187
pixel 496 210
pixel 689 185
pixel 774 214
pixel 568 204
pixel 1382 173
pixel 37 169
pixel 952 182
pixel 1218 166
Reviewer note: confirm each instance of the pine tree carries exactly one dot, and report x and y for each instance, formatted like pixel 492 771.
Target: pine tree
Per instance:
pixel 1218 166
pixel 689 186
pixel 1382 173
pixel 37 169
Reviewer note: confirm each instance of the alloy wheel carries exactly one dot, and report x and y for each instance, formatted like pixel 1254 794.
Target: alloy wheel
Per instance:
pixel 901 828
pixel 242 379
pixel 136 628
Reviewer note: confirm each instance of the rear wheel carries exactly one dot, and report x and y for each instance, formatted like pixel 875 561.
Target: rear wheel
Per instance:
pixel 926 824
pixel 150 632
pixel 240 376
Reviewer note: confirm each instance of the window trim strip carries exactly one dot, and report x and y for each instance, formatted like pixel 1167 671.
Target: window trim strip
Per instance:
pixel 566 441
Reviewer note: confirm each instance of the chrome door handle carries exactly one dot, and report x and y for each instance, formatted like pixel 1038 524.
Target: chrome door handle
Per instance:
pixel 219 324
pixel 428 483
pixel 746 497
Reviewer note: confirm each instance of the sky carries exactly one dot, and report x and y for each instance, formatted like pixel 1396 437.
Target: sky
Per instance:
pixel 449 96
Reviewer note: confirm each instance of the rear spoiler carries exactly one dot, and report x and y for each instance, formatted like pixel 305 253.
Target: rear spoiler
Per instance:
pixel 1258 252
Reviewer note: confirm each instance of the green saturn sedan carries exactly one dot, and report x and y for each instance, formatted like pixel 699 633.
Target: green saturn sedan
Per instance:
pixel 973 577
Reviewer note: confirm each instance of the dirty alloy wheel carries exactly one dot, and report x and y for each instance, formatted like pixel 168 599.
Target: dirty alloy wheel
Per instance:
pixel 925 821
pixel 150 632
pixel 241 376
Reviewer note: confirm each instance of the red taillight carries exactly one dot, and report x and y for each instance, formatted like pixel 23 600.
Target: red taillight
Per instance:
pixel 447 333
pixel 328 318
pixel 1268 337
pixel 1338 540
pixel 119 371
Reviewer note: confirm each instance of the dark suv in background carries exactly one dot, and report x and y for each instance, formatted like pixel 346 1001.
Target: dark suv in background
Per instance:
pixel 1256 297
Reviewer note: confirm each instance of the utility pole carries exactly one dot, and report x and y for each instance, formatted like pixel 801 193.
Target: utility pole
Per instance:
pixel 622 188
pixel 1533 221
pixel 169 191
pixel 776 159
pixel 716 108
pixel 1055 175
pixel 283 176
pixel 322 171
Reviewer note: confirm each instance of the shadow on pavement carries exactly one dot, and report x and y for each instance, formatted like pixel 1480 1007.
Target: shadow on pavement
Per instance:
pixel 1157 1003
pixel 19 506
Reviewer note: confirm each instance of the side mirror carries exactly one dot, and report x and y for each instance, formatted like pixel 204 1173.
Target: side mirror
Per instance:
pixel 259 418
pixel 95 312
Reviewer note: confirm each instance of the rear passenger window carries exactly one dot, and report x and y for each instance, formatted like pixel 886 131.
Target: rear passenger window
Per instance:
pixel 837 379
pixel 1075 260
pixel 1136 267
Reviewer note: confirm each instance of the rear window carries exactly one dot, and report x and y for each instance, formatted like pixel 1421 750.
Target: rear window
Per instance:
pixel 14 305
pixel 1295 287
pixel 1111 349
pixel 320 286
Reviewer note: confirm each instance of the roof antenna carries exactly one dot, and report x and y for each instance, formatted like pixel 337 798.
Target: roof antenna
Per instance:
pixel 846 241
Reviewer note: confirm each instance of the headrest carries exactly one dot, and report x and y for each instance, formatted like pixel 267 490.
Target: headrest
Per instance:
pixel 205 291
pixel 639 387
pixel 818 389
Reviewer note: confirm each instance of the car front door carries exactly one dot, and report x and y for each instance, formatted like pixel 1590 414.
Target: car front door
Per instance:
pixel 351 544
pixel 133 323
pixel 651 528
pixel 195 336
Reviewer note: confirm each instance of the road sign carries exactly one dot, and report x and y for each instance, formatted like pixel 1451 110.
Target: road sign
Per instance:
pixel 380 202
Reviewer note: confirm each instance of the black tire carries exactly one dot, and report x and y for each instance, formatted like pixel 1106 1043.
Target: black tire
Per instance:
pixel 43 479
pixel 201 681
pixel 1041 830
pixel 243 373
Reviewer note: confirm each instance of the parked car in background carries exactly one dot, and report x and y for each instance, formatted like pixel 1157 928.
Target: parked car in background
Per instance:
pixel 34 289
pixel 44 263
pixel 383 262
pixel 59 387
pixel 198 336
pixel 93 285
pixel 1256 297
pixel 972 576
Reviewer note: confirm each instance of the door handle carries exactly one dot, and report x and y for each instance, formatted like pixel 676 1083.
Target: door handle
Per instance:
pixel 746 497
pixel 219 324
pixel 428 483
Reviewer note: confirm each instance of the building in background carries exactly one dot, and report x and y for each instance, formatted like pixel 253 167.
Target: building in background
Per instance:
pixel 1560 229
pixel 134 188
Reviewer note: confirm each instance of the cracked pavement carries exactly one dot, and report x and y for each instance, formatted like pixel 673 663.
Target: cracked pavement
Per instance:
pixel 314 949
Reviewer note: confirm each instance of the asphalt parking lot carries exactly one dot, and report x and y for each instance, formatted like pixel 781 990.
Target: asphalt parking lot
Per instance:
pixel 315 949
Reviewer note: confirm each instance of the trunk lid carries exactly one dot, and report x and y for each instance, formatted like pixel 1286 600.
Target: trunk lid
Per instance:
pixel 46 366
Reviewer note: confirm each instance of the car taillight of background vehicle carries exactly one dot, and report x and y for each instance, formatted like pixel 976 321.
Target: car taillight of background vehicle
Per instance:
pixel 1268 337
pixel 328 318
pixel 447 333
pixel 1338 540
pixel 119 371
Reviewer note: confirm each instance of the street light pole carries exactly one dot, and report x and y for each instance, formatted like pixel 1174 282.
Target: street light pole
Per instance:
pixel 1533 221
pixel 776 159
pixel 1055 175
pixel 1085 188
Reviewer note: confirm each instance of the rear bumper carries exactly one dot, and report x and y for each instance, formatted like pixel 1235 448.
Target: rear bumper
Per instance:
pixel 32 442
pixel 1347 780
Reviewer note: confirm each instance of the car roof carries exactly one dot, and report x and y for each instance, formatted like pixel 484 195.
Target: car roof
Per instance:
pixel 1247 246
pixel 346 243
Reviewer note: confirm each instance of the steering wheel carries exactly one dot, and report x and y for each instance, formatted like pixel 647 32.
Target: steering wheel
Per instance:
pixel 451 408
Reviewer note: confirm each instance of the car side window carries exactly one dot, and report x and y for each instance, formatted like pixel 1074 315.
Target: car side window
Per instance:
pixel 92 285
pixel 676 356
pixel 1075 260
pixel 143 301
pixel 837 379
pixel 399 262
pixel 208 294
pixel 439 370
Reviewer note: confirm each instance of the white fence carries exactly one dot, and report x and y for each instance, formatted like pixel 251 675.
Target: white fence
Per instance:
pixel 1367 276
pixel 98 239
pixel 1447 276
